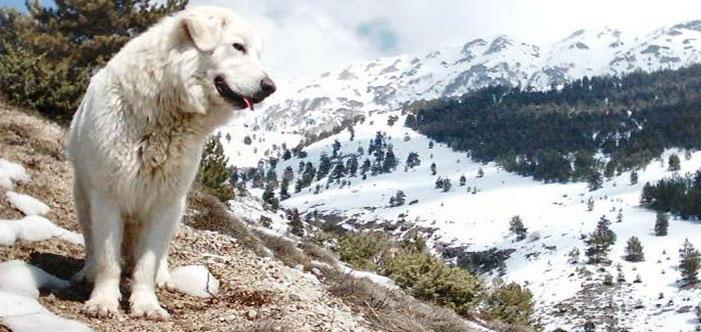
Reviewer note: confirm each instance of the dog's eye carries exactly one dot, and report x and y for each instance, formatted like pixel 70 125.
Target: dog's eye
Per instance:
pixel 240 47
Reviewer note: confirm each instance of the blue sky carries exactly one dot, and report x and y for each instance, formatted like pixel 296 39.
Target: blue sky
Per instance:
pixel 307 37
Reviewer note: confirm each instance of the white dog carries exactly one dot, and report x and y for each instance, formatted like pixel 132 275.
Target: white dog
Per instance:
pixel 136 140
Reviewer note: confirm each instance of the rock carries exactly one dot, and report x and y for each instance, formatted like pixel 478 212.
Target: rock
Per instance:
pixel 251 314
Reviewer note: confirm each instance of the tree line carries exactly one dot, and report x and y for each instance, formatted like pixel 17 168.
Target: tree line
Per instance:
pixel 555 135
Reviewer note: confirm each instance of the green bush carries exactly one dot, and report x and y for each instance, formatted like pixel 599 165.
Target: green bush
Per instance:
pixel 510 303
pixel 430 278
pixel 363 251
pixel 412 268
pixel 48 54
pixel 213 174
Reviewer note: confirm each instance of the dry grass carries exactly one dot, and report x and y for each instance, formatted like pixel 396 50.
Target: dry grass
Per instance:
pixel 284 250
pixel 391 310
pixel 319 253
pixel 206 212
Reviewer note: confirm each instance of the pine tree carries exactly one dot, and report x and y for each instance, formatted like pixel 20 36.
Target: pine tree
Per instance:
pixel 336 146
pixel 600 241
pixel 610 169
pixel 512 304
pixel 619 216
pixel 48 55
pixel 661 224
pixel 289 174
pixel 690 262
pixel 674 163
pixel 365 168
pixel 439 183
pixel 433 168
pixel 595 180
pixel 398 199
pixel 573 256
pixel 286 155
pixel 480 173
pixel 339 171
pixel 634 177
pixel 213 174
pixel 324 166
pixel 268 194
pixel 390 161
pixel 413 160
pixel 463 180
pixel 634 250
pixel 271 177
pixel 284 189
pixel 352 165
pixel 516 227
pixel 295 223
pixel 446 185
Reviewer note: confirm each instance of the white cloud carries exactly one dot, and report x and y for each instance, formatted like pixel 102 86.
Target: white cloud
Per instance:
pixel 307 37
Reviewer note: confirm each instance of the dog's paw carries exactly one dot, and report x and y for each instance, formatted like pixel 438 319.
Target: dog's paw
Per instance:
pixel 101 308
pixel 163 280
pixel 146 306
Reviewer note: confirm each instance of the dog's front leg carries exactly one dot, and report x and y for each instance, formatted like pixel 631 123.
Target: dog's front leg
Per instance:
pixel 152 245
pixel 107 229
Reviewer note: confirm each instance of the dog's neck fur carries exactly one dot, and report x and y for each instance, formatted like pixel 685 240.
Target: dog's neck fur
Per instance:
pixel 171 121
pixel 163 108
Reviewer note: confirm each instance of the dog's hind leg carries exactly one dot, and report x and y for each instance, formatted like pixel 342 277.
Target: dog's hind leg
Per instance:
pixel 163 273
pixel 82 209
pixel 152 245
pixel 107 231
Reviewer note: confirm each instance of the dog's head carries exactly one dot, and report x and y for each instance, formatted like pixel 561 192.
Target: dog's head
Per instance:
pixel 230 51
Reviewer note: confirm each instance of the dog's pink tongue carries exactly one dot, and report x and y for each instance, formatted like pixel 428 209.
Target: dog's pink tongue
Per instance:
pixel 249 104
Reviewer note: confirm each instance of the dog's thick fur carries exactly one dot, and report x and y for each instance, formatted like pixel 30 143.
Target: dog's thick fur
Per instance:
pixel 136 140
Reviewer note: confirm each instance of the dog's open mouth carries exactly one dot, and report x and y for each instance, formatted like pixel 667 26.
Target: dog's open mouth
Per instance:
pixel 230 96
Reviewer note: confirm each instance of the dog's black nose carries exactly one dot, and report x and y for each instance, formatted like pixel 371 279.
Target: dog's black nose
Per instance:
pixel 267 86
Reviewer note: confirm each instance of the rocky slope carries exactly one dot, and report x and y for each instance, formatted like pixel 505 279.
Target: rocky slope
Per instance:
pixel 255 291
pixel 265 282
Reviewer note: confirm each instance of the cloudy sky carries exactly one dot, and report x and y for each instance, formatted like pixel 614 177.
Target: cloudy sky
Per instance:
pixel 307 37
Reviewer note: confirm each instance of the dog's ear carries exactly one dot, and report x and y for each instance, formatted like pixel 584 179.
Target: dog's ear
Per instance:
pixel 204 29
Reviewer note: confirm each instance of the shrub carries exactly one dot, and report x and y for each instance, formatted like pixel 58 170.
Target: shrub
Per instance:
pixel 47 54
pixel 213 174
pixel 430 278
pixel 516 227
pixel 661 224
pixel 690 262
pixel 412 268
pixel 634 250
pixel 511 303
pixel 362 250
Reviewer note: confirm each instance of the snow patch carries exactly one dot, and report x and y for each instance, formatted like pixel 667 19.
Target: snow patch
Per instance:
pixel 34 228
pixel 374 277
pixel 194 280
pixel 26 204
pixel 10 172
pixel 19 309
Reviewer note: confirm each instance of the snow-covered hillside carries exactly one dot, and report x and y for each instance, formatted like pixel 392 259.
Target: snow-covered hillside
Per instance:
pixel 474 217
pixel 556 216
pixel 316 104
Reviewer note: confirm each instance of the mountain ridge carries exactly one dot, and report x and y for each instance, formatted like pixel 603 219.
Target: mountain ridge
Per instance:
pixel 317 104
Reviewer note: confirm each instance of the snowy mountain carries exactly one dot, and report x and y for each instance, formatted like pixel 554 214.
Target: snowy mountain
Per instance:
pixel 474 218
pixel 471 221
pixel 317 104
